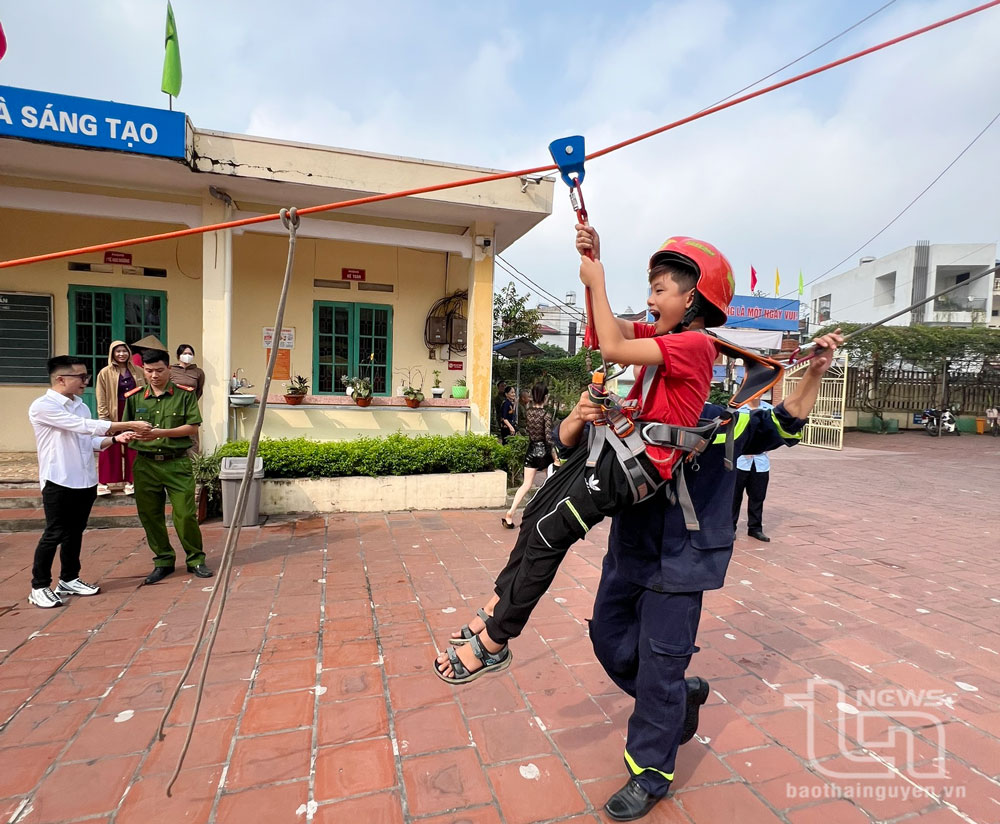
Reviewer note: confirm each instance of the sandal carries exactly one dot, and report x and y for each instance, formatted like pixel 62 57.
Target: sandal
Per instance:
pixel 466 633
pixel 492 662
pixel 506 524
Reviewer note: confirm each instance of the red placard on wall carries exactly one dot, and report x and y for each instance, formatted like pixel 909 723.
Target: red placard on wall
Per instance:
pixel 352 274
pixel 455 366
pixel 122 258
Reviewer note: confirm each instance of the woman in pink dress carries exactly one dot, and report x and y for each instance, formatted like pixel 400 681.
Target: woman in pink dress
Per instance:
pixel 114 464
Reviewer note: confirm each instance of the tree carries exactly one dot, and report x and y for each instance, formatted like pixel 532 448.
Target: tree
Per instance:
pixel 511 316
pixel 550 350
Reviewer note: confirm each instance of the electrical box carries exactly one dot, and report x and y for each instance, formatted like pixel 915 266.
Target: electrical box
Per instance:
pixel 458 332
pixel 436 331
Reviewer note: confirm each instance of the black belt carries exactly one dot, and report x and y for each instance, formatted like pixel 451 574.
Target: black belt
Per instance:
pixel 162 456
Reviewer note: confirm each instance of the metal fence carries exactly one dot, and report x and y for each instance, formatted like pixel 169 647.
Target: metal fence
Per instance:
pixel 905 390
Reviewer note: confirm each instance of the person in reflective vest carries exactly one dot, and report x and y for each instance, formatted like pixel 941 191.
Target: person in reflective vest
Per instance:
pixel 648 602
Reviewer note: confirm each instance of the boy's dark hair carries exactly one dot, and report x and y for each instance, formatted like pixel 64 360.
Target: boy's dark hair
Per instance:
pixel 60 362
pixel 539 392
pixel 685 277
pixel 155 356
pixel 182 347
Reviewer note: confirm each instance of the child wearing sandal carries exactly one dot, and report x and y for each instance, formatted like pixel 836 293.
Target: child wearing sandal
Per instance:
pixel 691 285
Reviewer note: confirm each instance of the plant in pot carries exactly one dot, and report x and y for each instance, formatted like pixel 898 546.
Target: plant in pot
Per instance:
pixel 360 388
pixel 207 486
pixel 413 397
pixel 296 390
pixel 437 390
pixel 460 390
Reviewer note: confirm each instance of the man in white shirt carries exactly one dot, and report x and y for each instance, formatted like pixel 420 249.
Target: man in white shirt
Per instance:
pixel 752 474
pixel 67 438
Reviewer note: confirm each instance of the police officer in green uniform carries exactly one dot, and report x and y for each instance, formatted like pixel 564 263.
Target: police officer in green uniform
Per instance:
pixel 162 466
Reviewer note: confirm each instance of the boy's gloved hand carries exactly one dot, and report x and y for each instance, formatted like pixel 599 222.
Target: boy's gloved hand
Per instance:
pixel 587 240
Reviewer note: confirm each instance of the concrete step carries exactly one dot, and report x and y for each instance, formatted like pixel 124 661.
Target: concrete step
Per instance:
pixel 29 496
pixel 24 513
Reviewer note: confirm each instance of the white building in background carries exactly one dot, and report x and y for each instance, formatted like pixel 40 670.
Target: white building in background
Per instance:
pixel 880 286
pixel 562 325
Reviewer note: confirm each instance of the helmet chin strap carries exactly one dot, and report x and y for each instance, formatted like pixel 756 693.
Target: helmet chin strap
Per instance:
pixel 693 311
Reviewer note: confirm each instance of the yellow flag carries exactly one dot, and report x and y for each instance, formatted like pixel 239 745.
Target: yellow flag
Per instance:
pixel 777 281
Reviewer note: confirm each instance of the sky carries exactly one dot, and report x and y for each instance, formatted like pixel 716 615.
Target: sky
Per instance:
pixel 795 180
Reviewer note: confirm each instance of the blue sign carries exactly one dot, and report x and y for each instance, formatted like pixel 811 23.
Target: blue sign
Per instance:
pixel 98 124
pixel 775 314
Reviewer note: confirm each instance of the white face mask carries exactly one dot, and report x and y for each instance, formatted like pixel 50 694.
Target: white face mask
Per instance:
pixel 187 358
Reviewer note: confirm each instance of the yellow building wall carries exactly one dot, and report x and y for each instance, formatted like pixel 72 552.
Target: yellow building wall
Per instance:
pixel 418 279
pixel 30 233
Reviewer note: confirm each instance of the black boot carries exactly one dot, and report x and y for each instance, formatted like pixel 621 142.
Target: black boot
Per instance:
pixel 759 535
pixel 697 694
pixel 630 802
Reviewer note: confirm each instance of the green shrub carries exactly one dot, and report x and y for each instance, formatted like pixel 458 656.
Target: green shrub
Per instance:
pixel 394 455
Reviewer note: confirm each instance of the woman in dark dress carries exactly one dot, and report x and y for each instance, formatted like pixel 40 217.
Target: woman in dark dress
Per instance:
pixel 538 424
pixel 508 415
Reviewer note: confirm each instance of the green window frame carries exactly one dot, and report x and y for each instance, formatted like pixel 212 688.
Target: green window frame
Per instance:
pixel 345 336
pixel 101 314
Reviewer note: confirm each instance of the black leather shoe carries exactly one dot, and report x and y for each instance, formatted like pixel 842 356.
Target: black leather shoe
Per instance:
pixel 630 802
pixel 201 571
pixel 158 574
pixel 760 536
pixel 697 694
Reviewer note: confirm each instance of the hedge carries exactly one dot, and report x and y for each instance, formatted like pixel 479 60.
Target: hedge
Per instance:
pixel 394 455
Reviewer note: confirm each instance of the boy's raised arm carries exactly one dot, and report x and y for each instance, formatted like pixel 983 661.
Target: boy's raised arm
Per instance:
pixel 615 347
pixel 587 240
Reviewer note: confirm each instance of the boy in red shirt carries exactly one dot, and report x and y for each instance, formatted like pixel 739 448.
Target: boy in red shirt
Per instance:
pixel 691 285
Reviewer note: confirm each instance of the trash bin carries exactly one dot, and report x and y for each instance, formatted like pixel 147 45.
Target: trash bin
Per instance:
pixel 980 426
pixel 231 475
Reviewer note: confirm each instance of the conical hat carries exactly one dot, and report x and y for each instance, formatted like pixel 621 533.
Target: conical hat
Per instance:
pixel 149 342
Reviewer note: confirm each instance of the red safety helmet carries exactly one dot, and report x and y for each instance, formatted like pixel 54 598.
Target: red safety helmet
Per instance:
pixel 715 276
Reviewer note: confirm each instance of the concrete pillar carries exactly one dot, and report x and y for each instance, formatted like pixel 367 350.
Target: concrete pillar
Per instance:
pixel 479 364
pixel 217 321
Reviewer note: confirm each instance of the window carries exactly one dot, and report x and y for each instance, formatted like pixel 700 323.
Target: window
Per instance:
pixel 98 316
pixel 885 290
pixel 823 309
pixel 351 339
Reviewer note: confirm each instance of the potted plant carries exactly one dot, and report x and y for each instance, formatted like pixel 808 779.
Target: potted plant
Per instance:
pixel 359 388
pixel 460 390
pixel 413 397
pixel 207 486
pixel 296 390
pixel 437 390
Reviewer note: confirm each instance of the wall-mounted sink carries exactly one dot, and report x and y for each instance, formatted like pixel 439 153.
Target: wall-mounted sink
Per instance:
pixel 241 400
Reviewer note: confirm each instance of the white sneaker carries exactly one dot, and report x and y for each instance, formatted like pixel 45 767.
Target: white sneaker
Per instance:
pixel 130 489
pixel 44 598
pixel 76 587
pixel 103 489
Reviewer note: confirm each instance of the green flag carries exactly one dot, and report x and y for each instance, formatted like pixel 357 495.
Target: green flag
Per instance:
pixel 802 285
pixel 172 58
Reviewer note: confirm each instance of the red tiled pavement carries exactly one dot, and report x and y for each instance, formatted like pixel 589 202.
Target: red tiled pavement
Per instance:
pixel 863 583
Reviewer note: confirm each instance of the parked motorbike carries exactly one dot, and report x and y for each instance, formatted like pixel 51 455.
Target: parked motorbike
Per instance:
pixel 939 422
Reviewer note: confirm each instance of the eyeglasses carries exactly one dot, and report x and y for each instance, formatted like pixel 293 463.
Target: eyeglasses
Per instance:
pixel 83 376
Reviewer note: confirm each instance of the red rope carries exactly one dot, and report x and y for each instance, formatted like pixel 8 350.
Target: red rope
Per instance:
pixel 232 224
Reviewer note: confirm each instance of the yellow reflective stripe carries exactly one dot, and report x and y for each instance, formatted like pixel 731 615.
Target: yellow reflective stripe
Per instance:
pixel 742 419
pixel 781 431
pixel 636 769
pixel 576 515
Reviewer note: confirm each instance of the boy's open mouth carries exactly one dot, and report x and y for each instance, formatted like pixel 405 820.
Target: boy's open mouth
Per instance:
pixel 654 315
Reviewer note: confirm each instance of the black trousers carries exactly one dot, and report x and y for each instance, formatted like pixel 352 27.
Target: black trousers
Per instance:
pixel 560 514
pixel 66 514
pixel 755 484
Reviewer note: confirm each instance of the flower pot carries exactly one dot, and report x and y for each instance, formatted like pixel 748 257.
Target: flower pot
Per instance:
pixel 294 400
pixel 438 392
pixel 413 403
pixel 460 391
pixel 363 401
